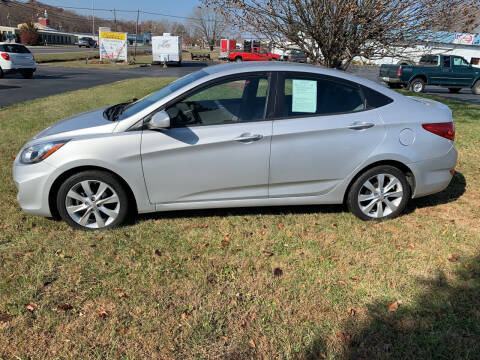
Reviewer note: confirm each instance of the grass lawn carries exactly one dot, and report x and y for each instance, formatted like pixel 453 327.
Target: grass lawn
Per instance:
pixel 273 283
pixel 141 60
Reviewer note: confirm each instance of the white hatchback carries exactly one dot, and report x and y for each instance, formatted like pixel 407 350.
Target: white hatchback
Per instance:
pixel 16 58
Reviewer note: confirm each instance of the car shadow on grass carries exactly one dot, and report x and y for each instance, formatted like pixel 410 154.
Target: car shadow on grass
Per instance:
pixel 453 192
pixel 442 322
pixel 244 211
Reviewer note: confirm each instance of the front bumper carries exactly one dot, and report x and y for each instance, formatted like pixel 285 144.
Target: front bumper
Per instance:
pixel 33 185
pixel 433 175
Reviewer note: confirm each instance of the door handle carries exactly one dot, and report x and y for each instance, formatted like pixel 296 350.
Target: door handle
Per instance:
pixel 247 138
pixel 360 126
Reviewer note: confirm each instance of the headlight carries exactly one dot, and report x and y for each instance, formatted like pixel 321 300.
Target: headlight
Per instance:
pixel 39 152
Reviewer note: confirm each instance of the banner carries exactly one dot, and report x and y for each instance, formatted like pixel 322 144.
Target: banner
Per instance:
pixel 463 39
pixel 113 45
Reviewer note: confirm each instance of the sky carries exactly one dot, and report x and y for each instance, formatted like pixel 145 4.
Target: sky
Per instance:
pixel 170 7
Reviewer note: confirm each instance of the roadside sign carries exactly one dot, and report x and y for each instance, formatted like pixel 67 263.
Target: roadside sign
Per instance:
pixel 464 39
pixel 113 45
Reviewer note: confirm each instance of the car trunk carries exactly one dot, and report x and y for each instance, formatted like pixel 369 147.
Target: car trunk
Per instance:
pixel 390 71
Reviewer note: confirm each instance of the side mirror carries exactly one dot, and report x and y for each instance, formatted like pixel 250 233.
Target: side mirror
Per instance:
pixel 160 120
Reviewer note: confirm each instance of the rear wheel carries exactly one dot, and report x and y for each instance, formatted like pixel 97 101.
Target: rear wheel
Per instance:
pixel 454 90
pixel 1 73
pixel 92 200
pixel 476 88
pixel 417 85
pixel 238 59
pixel 27 74
pixel 380 193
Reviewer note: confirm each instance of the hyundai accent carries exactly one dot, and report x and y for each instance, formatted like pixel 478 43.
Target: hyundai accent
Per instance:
pixel 241 135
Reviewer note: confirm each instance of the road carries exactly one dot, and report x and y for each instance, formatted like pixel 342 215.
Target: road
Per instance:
pixel 51 80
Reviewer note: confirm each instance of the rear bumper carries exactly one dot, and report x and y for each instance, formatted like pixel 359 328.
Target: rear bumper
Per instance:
pixel 19 68
pixel 391 80
pixel 433 175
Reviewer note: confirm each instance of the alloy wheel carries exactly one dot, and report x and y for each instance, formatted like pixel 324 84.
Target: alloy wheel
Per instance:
pixel 92 204
pixel 380 196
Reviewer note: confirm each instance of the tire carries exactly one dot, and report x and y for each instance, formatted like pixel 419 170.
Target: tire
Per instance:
pixel 417 85
pixel 27 74
pixel 86 217
pixel 238 59
pixel 1 73
pixel 476 88
pixel 454 90
pixel 369 208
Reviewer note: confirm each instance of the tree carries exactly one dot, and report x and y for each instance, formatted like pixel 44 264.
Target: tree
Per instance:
pixel 209 24
pixel 29 34
pixel 334 32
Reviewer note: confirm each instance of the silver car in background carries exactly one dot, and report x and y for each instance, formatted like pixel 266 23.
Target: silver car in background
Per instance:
pixel 238 135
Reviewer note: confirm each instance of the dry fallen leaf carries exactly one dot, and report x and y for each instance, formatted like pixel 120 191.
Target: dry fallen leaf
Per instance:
pixel 31 306
pixel 351 311
pixel 440 261
pixel 183 316
pixel 158 252
pixel 268 253
pixel 5 317
pixel 453 258
pixel 226 241
pixel 64 307
pixel 251 343
pixel 120 292
pixel 102 314
pixel 280 225
pixel 342 282
pixel 411 246
pixel 203 226
pixel 393 306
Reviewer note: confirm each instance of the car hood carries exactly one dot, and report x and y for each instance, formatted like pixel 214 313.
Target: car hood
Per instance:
pixel 91 122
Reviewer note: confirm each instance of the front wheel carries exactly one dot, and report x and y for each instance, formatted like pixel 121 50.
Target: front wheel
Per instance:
pixel 380 193
pixel 92 200
pixel 417 86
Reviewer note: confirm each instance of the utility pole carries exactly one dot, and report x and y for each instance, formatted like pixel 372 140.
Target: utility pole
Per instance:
pixel 115 18
pixel 136 37
pixel 93 18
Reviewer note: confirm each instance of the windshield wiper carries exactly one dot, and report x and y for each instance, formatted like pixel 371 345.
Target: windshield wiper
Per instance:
pixel 113 112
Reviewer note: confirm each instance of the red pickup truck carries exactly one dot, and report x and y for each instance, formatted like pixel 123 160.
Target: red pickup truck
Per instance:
pixel 256 54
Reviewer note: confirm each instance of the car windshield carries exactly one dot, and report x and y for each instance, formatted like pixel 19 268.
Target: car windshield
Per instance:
pixel 142 104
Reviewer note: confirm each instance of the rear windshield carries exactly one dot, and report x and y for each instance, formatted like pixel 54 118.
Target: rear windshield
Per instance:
pixel 14 48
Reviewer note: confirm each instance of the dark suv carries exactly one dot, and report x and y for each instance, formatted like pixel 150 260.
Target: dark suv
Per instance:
pixel 87 42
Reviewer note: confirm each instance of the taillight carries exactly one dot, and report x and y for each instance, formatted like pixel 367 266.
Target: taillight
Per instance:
pixel 5 56
pixel 399 71
pixel 446 130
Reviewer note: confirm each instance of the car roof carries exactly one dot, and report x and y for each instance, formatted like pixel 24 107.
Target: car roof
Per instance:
pixel 259 66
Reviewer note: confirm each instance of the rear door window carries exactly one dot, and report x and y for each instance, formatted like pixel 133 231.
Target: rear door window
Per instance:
pixel 446 62
pixel 311 95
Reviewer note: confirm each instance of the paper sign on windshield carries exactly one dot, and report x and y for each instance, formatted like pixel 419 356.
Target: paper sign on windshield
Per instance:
pixel 304 96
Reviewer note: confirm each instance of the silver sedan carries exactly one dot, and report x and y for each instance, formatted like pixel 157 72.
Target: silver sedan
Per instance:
pixel 238 135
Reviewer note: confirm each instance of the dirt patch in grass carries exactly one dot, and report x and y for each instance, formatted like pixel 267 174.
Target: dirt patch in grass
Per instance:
pixel 307 282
